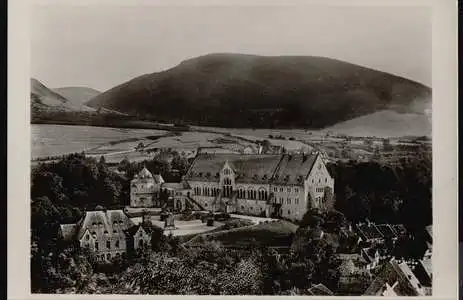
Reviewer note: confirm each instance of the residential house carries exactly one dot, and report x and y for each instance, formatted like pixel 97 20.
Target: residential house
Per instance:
pixel 395 279
pixel 102 232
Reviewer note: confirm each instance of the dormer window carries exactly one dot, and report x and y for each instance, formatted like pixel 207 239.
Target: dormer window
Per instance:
pixel 87 237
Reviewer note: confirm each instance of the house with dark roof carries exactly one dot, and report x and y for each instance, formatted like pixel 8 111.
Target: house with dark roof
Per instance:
pixel 395 279
pixel 352 266
pixel 106 233
pixel 258 184
pixel 369 233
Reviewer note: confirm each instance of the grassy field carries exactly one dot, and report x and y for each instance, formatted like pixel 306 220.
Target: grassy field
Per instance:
pixel 52 140
pixel 278 233
pixel 116 143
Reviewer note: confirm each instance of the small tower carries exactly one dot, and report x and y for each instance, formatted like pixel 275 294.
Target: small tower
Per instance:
pixel 142 189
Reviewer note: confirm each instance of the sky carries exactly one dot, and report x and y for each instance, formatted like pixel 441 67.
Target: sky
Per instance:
pixel 103 46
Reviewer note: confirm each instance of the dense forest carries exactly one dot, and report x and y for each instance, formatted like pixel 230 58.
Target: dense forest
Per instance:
pixel 62 190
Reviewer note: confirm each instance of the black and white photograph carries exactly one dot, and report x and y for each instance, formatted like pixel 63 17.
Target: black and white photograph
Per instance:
pixel 231 150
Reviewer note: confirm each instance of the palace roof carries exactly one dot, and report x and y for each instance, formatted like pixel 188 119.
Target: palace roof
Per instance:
pixel 253 168
pixel 293 169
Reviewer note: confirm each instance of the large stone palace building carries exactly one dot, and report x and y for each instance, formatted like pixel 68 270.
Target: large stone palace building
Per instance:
pixel 283 185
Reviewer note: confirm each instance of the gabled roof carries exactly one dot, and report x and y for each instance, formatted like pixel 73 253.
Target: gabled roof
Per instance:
pixel 103 222
pixel 144 174
pixel 147 227
pixel 369 231
pixel 293 169
pixel 68 231
pixel 429 230
pixel 320 290
pixel 158 179
pixel 386 230
pixel 248 168
pixel 399 229
pixel 253 168
pixel 391 273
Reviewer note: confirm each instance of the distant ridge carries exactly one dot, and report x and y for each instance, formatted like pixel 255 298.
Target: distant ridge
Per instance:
pixel 237 90
pixel 77 94
pixel 45 99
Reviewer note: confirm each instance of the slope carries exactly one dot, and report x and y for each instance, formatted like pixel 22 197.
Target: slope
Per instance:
pixel 44 99
pixel 77 94
pixel 235 90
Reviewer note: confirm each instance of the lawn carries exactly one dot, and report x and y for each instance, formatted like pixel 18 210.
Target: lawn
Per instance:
pixel 274 234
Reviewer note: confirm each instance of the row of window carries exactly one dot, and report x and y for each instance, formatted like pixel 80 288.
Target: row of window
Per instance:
pixel 296 190
pixel 252 194
pixel 288 201
pixel 252 208
pixel 103 257
pixel 320 189
pixel 320 180
pixel 108 245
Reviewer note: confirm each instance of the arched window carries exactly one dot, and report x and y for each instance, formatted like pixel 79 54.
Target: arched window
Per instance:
pixel 108 256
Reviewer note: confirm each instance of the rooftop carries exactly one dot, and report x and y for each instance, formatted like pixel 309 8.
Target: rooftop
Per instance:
pixel 255 168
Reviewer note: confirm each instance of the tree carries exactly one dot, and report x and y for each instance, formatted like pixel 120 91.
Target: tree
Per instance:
pixel 376 154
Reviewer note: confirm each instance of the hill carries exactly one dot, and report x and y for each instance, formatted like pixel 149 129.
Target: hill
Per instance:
pixel 385 123
pixel 235 90
pixel 77 94
pixel 44 99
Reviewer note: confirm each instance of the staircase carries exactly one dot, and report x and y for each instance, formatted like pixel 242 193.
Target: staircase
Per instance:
pixel 195 205
pixel 217 201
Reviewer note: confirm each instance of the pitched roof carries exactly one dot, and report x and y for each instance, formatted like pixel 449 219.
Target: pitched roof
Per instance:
pixel 320 290
pixel 369 231
pixel 429 230
pixel 68 231
pixel 253 168
pixel 103 222
pixel 386 230
pixel 248 168
pixel 173 185
pixel 391 273
pixel 399 229
pixel 158 179
pixel 293 169
pixel 144 174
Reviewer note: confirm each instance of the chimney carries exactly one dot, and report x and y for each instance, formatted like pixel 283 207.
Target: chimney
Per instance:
pixel 304 157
